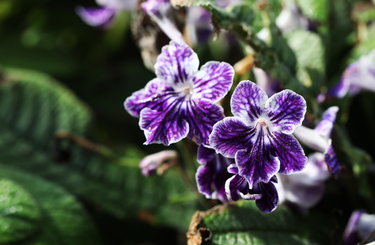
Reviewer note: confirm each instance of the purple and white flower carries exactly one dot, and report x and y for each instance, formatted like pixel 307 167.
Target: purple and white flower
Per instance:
pixel 150 164
pixel 360 225
pixel 103 16
pixel 319 138
pixel 264 194
pixel 212 174
pixel 306 188
pixel 358 76
pixel 161 12
pixel 259 136
pixel 180 101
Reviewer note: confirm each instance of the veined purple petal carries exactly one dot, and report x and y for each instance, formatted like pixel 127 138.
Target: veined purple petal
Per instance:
pixel 213 80
pixel 231 135
pixel 96 16
pixel 256 163
pixel 150 163
pixel 311 138
pixel 332 161
pixel 166 126
pixel 328 119
pixel 286 111
pixel 152 96
pixel 177 64
pixel 289 152
pixel 161 13
pixel 265 194
pixel 270 198
pixel 213 174
pixel 237 187
pixel 201 116
pixel 248 102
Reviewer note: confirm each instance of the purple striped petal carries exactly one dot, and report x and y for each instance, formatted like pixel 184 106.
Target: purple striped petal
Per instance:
pixel 213 81
pixel 289 152
pixel 257 164
pixel 177 64
pixel 96 16
pixel 264 194
pixel 328 119
pixel 152 96
pixel 231 135
pixel 332 161
pixel 248 101
pixel 270 198
pixel 360 225
pixel 164 127
pixel 213 174
pixel 201 116
pixel 286 111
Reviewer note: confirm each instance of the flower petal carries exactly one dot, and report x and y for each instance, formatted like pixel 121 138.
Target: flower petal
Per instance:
pixel 257 164
pixel 326 124
pixel 270 198
pixel 332 161
pixel 152 96
pixel 231 135
pixel 150 163
pixel 213 81
pixel 248 101
pixel 286 111
pixel 204 176
pixel 201 116
pixel 176 64
pixel 311 138
pixel 96 16
pixel 237 187
pixel 289 152
pixel 161 12
pixel 164 127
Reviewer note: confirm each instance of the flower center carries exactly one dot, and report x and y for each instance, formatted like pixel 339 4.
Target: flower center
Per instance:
pixel 185 91
pixel 264 125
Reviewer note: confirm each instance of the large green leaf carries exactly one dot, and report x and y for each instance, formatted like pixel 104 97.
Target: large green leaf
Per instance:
pixel 245 224
pixel 33 108
pixel 63 220
pixel 20 215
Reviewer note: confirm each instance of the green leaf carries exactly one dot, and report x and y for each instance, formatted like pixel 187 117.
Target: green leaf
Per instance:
pixel 245 224
pixel 34 107
pixel 19 213
pixel 310 69
pixel 63 220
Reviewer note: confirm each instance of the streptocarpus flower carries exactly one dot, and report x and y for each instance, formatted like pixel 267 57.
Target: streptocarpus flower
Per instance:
pixel 212 174
pixel 259 136
pixel 180 102
pixel 151 163
pixel 161 12
pixel 319 138
pixel 304 189
pixel 360 225
pixel 358 76
pixel 264 194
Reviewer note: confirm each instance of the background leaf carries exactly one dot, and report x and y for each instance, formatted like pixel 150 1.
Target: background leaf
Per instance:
pixel 63 221
pixel 19 213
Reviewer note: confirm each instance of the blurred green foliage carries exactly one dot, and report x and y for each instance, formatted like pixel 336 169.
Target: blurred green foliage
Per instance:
pixel 54 189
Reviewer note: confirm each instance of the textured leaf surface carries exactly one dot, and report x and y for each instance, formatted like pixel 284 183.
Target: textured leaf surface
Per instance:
pixel 19 213
pixel 64 221
pixel 33 108
pixel 245 224
pixel 310 69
